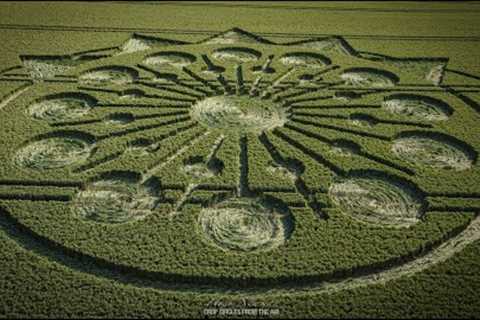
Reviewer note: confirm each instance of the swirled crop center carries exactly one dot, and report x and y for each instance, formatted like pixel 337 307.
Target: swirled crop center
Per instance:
pixel 245 225
pixel 54 152
pixel 378 200
pixel 239 114
pixel 115 200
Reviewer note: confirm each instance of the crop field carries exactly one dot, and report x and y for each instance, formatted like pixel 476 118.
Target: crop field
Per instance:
pixel 239 159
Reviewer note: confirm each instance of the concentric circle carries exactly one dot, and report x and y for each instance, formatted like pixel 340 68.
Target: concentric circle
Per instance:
pixel 245 225
pixel 64 106
pixel 434 150
pixel 239 114
pixel 54 152
pixel 115 199
pixel 378 200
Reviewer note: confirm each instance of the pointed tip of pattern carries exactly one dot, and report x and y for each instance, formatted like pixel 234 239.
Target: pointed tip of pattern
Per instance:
pixel 235 35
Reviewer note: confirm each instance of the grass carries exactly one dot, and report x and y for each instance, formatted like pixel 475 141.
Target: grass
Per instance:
pixel 323 162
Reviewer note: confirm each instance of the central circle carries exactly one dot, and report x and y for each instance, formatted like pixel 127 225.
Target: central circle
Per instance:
pixel 241 114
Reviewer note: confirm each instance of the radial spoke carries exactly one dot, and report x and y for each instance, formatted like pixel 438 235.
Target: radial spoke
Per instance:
pixel 35 197
pixel 266 93
pixel 373 120
pixel 239 77
pixel 226 87
pixel 302 92
pixel 2 72
pixel 360 152
pixel 318 115
pixel 341 106
pixel 142 128
pixel 312 154
pixel 114 156
pixel 254 90
pixel 196 77
pixel 40 183
pixel 342 129
pixel 191 187
pixel 163 161
pixel 134 118
pixel 300 186
pixel 160 87
pixel 15 94
pixel 243 189
pixel 173 79
pixel 139 105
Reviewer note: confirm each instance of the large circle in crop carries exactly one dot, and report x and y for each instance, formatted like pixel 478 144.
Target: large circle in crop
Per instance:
pixel 244 224
pixel 233 114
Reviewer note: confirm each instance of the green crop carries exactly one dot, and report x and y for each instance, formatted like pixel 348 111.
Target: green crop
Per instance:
pixel 309 159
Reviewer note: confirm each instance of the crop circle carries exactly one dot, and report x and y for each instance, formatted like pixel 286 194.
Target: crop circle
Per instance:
pixel 54 152
pixel 109 75
pixel 239 114
pixel 172 58
pixel 237 54
pixel 368 77
pixel 377 200
pixel 244 225
pixel 305 59
pixel 114 199
pixel 436 151
pixel 418 107
pixel 62 107
pixel 195 166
